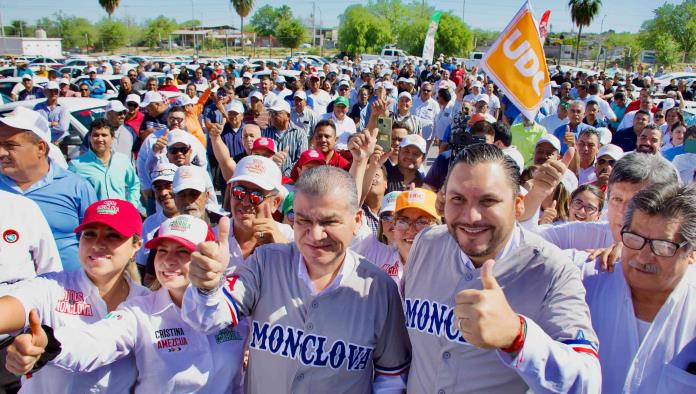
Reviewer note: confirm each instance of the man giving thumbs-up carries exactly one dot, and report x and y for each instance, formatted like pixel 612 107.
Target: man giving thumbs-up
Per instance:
pixel 489 306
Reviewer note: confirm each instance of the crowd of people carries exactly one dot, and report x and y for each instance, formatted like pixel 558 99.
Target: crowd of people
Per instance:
pixel 260 237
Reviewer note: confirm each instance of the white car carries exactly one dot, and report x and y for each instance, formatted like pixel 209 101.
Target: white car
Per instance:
pixel 663 81
pixel 112 82
pixel 50 63
pixel 83 110
pixel 8 84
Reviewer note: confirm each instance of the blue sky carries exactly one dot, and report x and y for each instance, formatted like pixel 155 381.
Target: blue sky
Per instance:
pixel 621 15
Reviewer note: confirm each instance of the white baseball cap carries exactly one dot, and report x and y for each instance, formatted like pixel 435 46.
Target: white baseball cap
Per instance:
pixel 65 81
pixel 280 105
pixel 91 70
pixel 185 230
pixel 235 106
pixel 152 97
pixel 388 85
pixel 183 100
pixel 53 85
pixel 164 172
pixel 389 202
pixel 169 76
pixel 260 171
pixel 551 139
pixel 280 79
pixel 115 106
pixel 415 140
pixel 484 98
pixel 604 135
pixel 27 77
pixel 666 104
pixel 26 119
pixel 477 84
pixel 344 83
pixel 247 75
pixel 189 177
pixel 256 94
pixel 405 94
pixel 300 94
pixel 133 98
pixel 611 150
pixel 178 136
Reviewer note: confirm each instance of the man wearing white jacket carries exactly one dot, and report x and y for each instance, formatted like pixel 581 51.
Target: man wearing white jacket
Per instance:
pixel 644 312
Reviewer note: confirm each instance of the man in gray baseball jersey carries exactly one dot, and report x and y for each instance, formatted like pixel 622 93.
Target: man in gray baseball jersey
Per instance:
pixel 491 307
pixel 323 319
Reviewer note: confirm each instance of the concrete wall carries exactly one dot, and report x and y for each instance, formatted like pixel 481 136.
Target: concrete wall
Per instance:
pixel 29 46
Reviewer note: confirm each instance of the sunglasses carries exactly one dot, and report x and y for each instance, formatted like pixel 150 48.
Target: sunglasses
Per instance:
pixel 84 90
pixel 132 105
pixel 256 197
pixel 602 162
pixel 182 149
pixel 659 116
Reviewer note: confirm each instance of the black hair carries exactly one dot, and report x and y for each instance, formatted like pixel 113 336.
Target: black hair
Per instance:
pixel 488 153
pixel 502 133
pixel 101 123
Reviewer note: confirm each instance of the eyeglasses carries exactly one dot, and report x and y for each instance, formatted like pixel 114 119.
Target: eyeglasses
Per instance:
pixel 387 217
pixel 256 197
pixel 659 247
pixel 403 223
pixel 182 149
pixel 132 105
pixel 659 116
pixel 602 162
pixel 578 205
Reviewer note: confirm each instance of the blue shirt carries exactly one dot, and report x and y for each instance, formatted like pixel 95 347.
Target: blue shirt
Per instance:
pixel 117 180
pixel 63 198
pixel 59 114
pixel 670 153
pixel 438 171
pixel 232 139
pixel 97 87
pixel 560 132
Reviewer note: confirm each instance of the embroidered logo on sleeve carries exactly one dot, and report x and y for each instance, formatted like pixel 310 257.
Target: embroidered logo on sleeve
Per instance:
pixel 73 303
pixel 171 339
pixel 10 236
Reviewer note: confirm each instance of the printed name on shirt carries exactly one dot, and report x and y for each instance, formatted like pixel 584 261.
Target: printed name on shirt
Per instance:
pixel 309 349
pixel 432 318
pixel 227 334
pixel 171 339
pixel 73 303
pixel 391 270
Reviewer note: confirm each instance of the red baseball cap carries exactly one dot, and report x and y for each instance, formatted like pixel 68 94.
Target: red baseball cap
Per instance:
pixel 310 156
pixel 185 230
pixel 264 143
pixel 120 215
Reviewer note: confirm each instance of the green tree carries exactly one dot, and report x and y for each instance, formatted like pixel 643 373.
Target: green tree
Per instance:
pixel 19 28
pixel 112 34
pixel 667 50
pixel 453 38
pixel 190 23
pixel 243 8
pixel 109 6
pixel 676 20
pixel 361 31
pixel 265 20
pixel 631 44
pixel 582 12
pixel 411 36
pixel 76 32
pixel 290 33
pixel 158 29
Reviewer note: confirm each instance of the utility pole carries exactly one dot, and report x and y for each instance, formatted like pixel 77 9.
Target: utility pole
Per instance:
pixel 463 9
pixel 314 24
pixel 2 25
pixel 193 27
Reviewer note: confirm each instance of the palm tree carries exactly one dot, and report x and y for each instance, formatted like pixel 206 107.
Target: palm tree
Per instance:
pixel 582 12
pixel 109 6
pixel 243 8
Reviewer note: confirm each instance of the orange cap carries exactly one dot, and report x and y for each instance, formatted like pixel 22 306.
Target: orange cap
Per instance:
pixel 418 198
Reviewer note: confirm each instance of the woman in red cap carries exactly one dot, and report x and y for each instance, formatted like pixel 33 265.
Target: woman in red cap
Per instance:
pixel 109 238
pixel 170 356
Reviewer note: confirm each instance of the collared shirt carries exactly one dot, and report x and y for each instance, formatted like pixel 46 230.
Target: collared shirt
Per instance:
pixel 625 139
pixel 232 138
pixel 561 130
pixel 395 179
pixel 57 113
pixel 306 120
pixel 97 87
pixel 150 329
pixel 320 100
pixel 116 180
pixel 71 300
pixel 35 93
pixel 370 219
pixel 293 138
pixel 63 198
pixel 27 246
pixel 415 124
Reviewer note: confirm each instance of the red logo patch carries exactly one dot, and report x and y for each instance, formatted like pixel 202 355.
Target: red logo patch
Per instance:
pixel 10 236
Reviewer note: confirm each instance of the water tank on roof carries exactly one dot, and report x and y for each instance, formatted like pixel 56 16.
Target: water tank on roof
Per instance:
pixel 40 33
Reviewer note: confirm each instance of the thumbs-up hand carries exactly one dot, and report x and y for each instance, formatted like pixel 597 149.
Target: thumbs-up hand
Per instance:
pixel 550 214
pixel 569 137
pixel 211 258
pixel 161 142
pixel 484 317
pixel 27 348
pixel 549 174
pixel 280 157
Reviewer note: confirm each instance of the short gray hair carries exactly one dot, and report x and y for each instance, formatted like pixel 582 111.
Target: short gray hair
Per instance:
pixel 669 201
pixel 322 180
pixel 642 167
pixel 578 102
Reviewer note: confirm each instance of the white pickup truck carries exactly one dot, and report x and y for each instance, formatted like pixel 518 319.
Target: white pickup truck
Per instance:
pixel 390 55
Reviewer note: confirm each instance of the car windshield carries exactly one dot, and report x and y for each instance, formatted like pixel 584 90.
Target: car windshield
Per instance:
pixel 87 116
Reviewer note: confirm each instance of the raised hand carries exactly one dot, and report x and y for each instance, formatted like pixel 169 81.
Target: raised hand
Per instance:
pixel 549 215
pixel 362 145
pixel 280 157
pixel 26 350
pixel 211 258
pixel 484 317
pixel 569 137
pixel 550 173
pixel 161 142
pixel 265 227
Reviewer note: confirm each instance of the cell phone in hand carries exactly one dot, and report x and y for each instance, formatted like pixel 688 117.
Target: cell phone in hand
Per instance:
pixel 384 125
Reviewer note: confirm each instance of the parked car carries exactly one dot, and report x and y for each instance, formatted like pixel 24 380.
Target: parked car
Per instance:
pixel 7 84
pixel 74 71
pixel 112 82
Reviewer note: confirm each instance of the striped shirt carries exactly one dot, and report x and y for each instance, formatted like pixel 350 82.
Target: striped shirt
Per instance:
pixel 293 139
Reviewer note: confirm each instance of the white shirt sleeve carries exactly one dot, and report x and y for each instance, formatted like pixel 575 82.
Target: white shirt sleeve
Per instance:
pixel 43 249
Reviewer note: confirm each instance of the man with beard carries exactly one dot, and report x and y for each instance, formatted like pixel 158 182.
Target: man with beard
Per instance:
pixel 645 310
pixel 650 140
pixel 411 155
pixel 468 332
pixel 606 160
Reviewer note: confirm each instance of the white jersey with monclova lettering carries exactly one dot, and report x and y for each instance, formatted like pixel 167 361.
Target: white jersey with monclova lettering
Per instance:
pixel 539 282
pixel 71 300
pixel 301 342
pixel 171 357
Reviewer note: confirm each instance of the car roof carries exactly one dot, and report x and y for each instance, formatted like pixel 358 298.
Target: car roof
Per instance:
pixel 71 103
pixel 19 79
